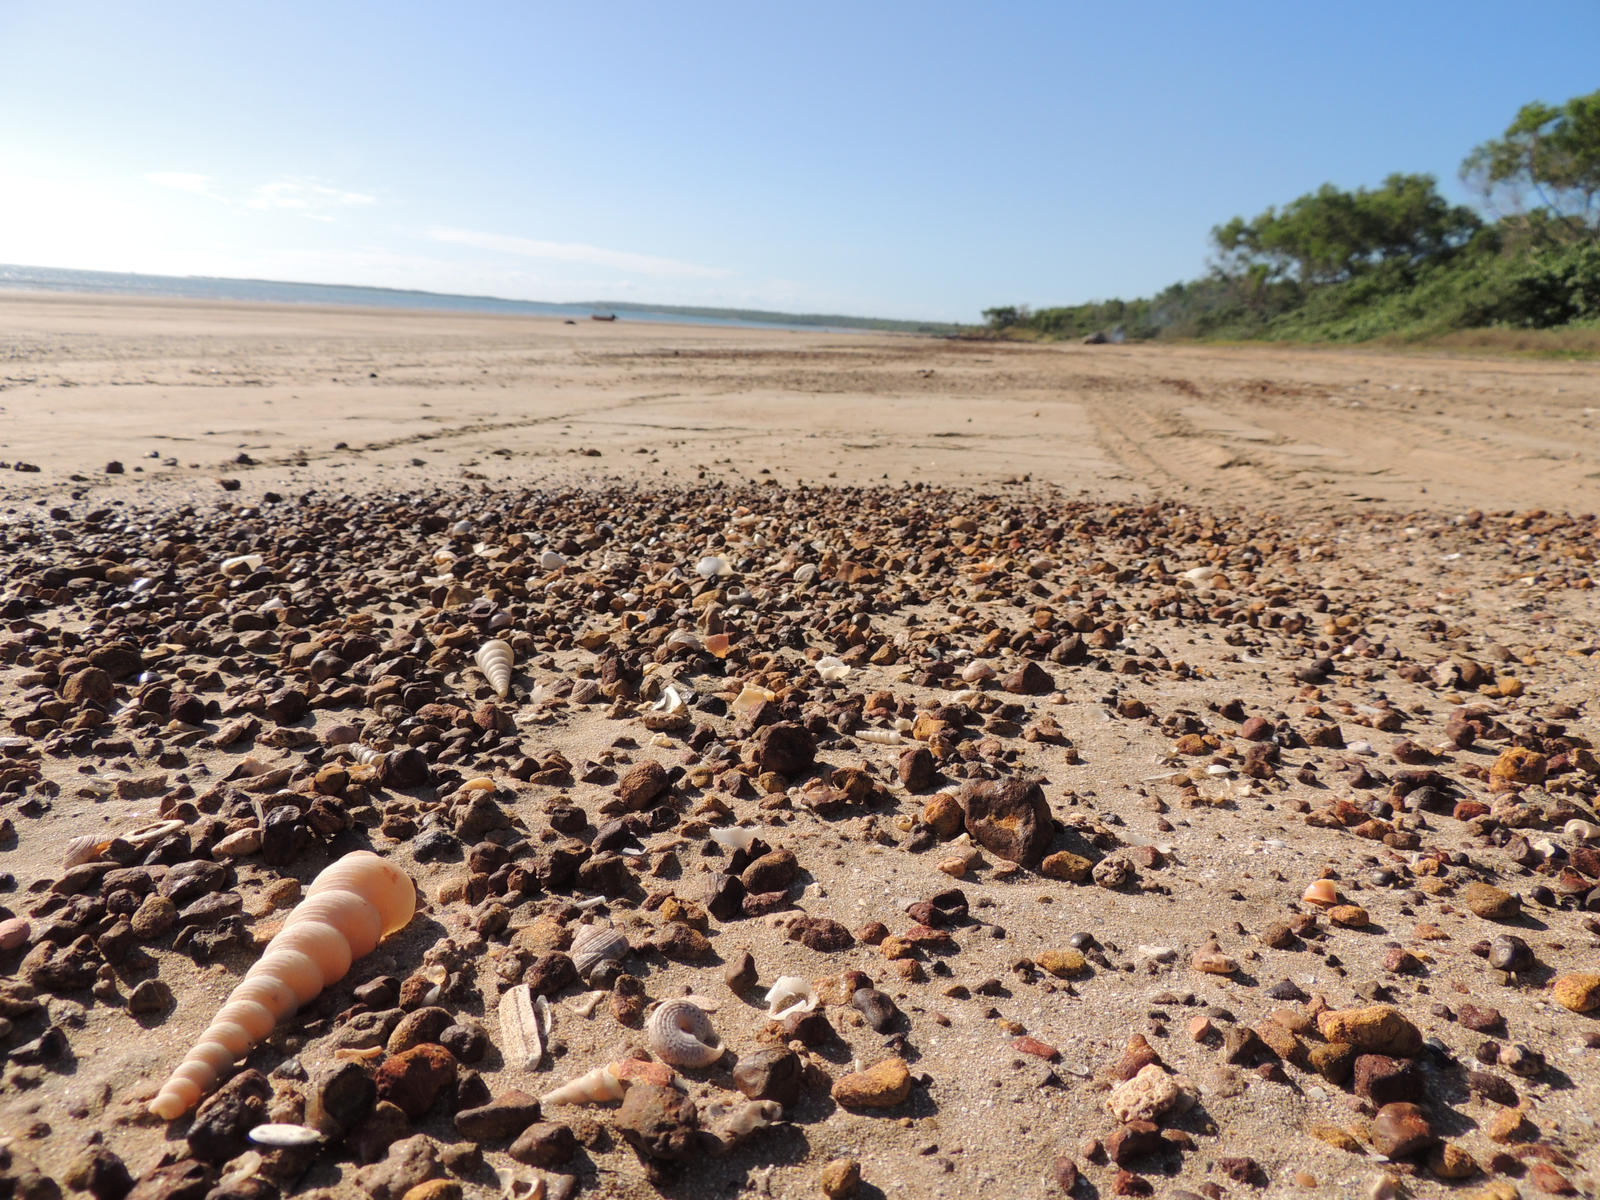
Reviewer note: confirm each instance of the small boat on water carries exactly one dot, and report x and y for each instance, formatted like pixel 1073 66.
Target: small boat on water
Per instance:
pixel 602 316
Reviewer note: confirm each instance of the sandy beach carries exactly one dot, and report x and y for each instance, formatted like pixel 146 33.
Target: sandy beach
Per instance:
pixel 1172 768
pixel 365 396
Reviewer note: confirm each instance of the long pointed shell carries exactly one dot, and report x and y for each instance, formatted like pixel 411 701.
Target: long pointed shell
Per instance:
pixel 348 907
pixel 594 945
pixel 597 1087
pixel 494 659
pixel 524 1026
pixel 681 1034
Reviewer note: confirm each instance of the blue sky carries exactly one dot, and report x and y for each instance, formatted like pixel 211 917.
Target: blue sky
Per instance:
pixel 916 160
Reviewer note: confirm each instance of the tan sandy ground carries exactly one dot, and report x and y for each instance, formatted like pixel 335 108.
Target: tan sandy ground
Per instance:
pixel 87 381
pixel 1298 441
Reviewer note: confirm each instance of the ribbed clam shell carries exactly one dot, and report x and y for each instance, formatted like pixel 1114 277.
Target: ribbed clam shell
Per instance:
pixel 594 945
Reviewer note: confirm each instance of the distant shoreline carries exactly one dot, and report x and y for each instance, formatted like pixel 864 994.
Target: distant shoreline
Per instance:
pixel 64 281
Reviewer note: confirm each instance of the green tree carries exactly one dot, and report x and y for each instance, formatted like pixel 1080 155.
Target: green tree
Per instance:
pixel 1551 153
pixel 1331 234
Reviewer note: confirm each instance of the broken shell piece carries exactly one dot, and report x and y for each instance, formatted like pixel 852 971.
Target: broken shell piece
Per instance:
pixel 717 645
pixel 241 564
pixel 524 1027
pixel 1583 831
pixel 1322 892
pixel 280 1136
pixel 668 712
pixel 731 1124
pixel 750 696
pixel 712 565
pixel 552 560
pixel 733 837
pixel 85 848
pixel 832 669
pixel 585 1004
pixel 681 1034
pixel 879 737
pixel 147 835
pixel 599 1086
pixel 595 945
pixel 518 1184
pixel 494 659
pixel 790 994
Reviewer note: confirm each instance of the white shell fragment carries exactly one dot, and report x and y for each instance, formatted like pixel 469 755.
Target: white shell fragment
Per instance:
pixel 551 560
pixel 832 669
pixel 790 994
pixel 279 1136
pixel 525 1024
pixel 712 565
pixel 733 837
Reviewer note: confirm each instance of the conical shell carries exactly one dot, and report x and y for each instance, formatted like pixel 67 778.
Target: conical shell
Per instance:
pixel 494 659
pixel 594 945
pixel 347 908
pixel 597 1087
pixel 679 1033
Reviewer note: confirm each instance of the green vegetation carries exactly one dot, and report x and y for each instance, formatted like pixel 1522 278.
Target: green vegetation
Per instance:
pixel 1398 261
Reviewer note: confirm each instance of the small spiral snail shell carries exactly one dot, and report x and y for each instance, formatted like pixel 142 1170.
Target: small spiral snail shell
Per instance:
pixel 678 1032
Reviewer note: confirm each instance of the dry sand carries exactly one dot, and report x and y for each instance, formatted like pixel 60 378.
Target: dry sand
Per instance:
pixel 87 381
pixel 1335 491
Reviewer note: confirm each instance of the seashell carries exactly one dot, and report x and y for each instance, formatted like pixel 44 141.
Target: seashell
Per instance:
pixel 242 564
pixel 733 837
pixel 149 835
pixel 357 1053
pixel 366 755
pixel 977 672
pixel 494 659
pixel 731 1124
pixel 718 644
pixel 551 560
pixel 831 669
pixel 351 906
pixel 790 994
pixel 84 848
pixel 1322 892
pixel 597 1087
pixel 678 1032
pixel 1583 831
pixel 480 783
pixel 525 1024
pixel 585 1004
pixel 595 945
pixel 461 528
pixel 1201 576
pixel 668 713
pixel 750 696
pixel 279 1136
pixel 712 565
pixel 519 1184
pixel 239 843
pixel 682 639
pixel 14 931
pixel 879 737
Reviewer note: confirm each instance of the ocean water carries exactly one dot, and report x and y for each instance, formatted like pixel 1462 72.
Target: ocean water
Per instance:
pixel 200 287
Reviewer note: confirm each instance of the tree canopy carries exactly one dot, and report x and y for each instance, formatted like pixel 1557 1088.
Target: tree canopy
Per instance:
pixel 1550 152
pixel 1331 234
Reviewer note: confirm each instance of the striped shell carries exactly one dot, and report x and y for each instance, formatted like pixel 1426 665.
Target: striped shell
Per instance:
pixel 494 659
pixel 595 945
pixel 352 905
pixel 679 1033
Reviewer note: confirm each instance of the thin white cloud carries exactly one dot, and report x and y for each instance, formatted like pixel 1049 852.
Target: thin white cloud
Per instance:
pixel 306 196
pixel 183 181
pixel 576 252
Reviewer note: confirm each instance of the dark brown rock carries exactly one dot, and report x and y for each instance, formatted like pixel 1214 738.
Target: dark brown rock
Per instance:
pixel 643 783
pixel 770 1074
pixel 658 1122
pixel 1009 817
pixel 1030 679
pixel 786 748
pixel 412 1081
pixel 505 1116
pixel 546 1144
pixel 224 1118
pixel 1401 1130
